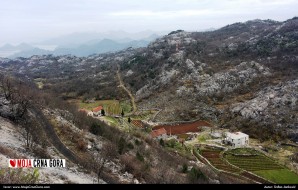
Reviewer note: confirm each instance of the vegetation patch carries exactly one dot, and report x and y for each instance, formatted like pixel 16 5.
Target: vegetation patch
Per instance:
pixel 251 162
pixel 254 161
pixel 281 176
pixel 126 106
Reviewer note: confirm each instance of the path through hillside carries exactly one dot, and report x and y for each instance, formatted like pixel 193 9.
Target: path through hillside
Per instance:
pixel 59 145
pixel 132 98
pixel 53 137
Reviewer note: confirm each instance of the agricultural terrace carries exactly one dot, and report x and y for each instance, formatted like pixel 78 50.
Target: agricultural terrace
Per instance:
pixel 182 128
pixel 111 107
pixel 214 156
pixel 256 162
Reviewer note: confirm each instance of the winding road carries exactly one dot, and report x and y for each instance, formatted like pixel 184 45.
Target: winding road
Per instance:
pixel 132 98
pixel 53 138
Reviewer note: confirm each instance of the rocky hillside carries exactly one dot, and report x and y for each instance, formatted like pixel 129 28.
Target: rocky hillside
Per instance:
pixel 239 73
pixel 35 124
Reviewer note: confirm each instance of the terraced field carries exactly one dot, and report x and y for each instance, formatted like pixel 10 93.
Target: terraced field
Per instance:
pixel 213 156
pixel 254 161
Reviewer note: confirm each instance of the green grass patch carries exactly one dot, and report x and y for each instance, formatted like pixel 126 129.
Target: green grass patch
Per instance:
pixel 256 162
pixel 111 120
pixel 244 151
pixel 174 145
pixel 183 136
pixel 203 137
pixel 281 176
pixel 126 106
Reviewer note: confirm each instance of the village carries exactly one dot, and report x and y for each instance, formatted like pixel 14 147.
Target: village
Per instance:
pixel 181 131
pixel 225 151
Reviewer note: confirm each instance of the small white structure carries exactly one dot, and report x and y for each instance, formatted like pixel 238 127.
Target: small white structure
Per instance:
pixel 90 113
pixel 237 139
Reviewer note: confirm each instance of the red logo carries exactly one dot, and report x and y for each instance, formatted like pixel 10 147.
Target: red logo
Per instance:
pixel 12 163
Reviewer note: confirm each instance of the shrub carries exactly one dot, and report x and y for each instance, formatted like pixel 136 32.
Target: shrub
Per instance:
pixel 139 156
pixel 171 143
pixel 96 129
pixel 121 145
pixel 41 153
pixel 18 176
pixel 130 146
pixel 162 142
pixel 184 168
pixel 195 174
pixel 82 145
pixel 138 142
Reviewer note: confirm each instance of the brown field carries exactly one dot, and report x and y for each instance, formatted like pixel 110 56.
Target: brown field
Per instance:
pixel 182 128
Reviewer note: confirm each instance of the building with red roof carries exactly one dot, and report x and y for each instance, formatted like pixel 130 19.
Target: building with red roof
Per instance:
pixel 159 133
pixel 97 111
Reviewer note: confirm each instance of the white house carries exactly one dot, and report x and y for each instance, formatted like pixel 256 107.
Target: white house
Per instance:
pixel 237 139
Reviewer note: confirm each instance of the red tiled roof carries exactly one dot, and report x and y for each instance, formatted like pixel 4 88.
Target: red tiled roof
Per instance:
pixel 158 132
pixel 97 109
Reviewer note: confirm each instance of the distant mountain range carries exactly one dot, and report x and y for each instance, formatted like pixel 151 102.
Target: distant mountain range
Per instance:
pixel 103 46
pixel 81 44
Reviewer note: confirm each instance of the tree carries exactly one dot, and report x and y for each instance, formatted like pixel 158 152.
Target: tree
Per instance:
pixel 6 86
pixel 129 120
pixel 184 168
pixel 121 145
pixel 103 112
pixel 195 175
pixel 122 113
pixel 96 129
pixel 162 142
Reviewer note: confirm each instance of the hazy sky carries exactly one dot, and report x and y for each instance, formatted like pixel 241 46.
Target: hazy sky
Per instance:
pixel 34 20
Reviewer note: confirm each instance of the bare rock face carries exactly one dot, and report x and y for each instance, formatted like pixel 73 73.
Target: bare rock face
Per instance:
pixel 274 105
pixel 231 79
pixel 271 98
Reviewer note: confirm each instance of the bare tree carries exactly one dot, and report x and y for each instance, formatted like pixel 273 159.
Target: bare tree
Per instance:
pixel 107 152
pixel 18 95
pixel 6 86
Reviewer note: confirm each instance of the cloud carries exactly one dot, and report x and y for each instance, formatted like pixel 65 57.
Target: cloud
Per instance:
pixel 20 19
pixel 162 14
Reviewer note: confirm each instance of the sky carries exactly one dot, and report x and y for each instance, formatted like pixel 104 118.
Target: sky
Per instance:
pixel 36 20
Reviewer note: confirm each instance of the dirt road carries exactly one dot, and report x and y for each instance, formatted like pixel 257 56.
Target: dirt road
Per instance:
pixel 132 98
